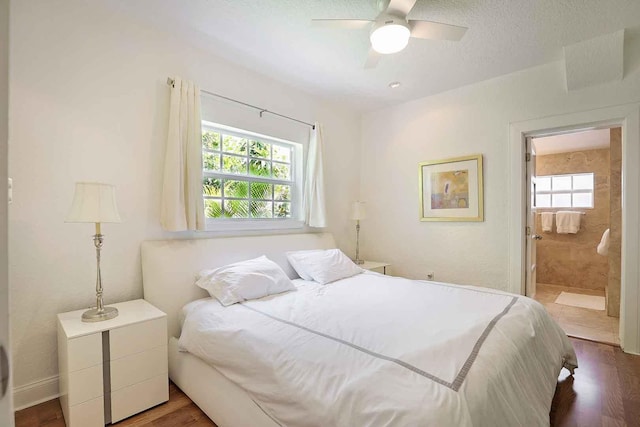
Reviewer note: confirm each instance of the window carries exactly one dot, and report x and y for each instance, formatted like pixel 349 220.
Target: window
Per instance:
pixel 565 191
pixel 249 177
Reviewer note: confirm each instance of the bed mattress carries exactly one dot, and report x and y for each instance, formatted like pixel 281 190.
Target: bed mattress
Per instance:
pixel 374 350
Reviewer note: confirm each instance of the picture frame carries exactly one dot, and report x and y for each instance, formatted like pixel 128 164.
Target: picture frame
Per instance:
pixel 452 189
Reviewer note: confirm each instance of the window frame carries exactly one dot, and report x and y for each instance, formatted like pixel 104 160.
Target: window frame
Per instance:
pixel 296 182
pixel 570 192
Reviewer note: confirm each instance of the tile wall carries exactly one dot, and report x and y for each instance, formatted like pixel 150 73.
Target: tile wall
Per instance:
pixel 571 259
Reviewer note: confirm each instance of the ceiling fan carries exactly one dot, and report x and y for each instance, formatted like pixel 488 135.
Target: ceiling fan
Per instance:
pixel 390 30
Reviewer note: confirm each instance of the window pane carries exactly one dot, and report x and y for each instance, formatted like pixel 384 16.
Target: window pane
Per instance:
pixel 281 171
pixel 233 144
pixel 583 182
pixel 261 209
pixel 237 189
pixel 213 208
pixel 212 187
pixel 282 210
pixel 543 183
pixel 210 161
pixel 583 200
pixel 259 167
pixel 239 172
pixel 282 154
pixel 211 140
pixel 260 190
pixel 561 200
pixel 236 208
pixel 282 192
pixel 561 183
pixel 260 149
pixel 233 164
pixel 543 200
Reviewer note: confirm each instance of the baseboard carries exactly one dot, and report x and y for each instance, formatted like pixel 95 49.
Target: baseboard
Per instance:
pixel 36 392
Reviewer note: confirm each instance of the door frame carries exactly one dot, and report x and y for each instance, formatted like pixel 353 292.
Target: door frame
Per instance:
pixel 6 401
pixel 628 118
pixel 530 220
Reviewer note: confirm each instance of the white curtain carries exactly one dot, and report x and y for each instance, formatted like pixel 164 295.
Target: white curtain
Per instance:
pixel 315 212
pixel 182 204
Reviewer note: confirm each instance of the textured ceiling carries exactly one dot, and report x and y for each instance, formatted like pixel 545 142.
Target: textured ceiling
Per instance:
pixel 595 61
pixel 275 38
pixel 570 142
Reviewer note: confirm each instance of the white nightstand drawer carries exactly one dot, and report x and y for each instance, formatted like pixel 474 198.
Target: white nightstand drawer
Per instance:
pixel 87 414
pixel 84 352
pixel 138 367
pixel 138 397
pixel 377 266
pixel 137 337
pixel 119 365
pixel 85 384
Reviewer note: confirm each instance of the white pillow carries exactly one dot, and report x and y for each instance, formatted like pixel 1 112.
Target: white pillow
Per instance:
pixel 296 259
pixel 246 280
pixel 327 266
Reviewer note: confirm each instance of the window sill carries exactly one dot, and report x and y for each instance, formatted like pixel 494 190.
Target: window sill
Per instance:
pixel 248 225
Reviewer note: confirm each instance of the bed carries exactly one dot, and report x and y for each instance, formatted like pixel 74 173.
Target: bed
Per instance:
pixel 366 350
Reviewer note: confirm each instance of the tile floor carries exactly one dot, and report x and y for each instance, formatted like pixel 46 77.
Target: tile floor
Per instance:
pixel 579 322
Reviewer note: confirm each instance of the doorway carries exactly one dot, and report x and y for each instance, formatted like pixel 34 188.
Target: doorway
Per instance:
pixel 574 225
pixel 628 118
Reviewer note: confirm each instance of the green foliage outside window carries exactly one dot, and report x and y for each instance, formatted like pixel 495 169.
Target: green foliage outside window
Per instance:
pixel 238 198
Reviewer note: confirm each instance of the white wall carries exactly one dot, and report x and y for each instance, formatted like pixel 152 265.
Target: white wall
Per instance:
pixel 469 120
pixel 89 102
pixel 6 409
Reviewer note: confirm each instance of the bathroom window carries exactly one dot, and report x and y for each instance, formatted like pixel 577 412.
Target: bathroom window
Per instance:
pixel 565 191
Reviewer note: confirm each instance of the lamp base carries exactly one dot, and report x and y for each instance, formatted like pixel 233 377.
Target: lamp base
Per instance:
pixel 358 261
pixel 95 315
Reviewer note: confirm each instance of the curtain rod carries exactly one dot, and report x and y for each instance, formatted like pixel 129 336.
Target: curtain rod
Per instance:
pixel 170 82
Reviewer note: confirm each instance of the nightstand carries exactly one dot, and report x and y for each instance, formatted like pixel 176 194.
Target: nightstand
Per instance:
pixel 112 369
pixel 379 267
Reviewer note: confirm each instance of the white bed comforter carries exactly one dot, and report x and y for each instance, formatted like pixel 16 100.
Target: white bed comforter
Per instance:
pixel 374 350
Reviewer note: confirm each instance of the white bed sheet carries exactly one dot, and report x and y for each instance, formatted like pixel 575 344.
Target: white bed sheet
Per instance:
pixel 223 401
pixel 374 350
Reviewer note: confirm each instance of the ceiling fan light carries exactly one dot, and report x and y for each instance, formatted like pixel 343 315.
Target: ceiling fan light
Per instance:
pixel 390 38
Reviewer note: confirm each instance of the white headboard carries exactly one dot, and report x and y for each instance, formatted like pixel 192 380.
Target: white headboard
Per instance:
pixel 169 267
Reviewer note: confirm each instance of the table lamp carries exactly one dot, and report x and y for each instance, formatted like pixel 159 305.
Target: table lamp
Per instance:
pixel 95 202
pixel 357 213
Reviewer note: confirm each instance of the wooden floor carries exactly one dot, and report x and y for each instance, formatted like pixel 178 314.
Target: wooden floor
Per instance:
pixel 579 322
pixel 605 392
pixel 178 411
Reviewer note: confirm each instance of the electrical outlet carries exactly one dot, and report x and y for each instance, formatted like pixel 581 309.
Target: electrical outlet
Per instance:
pixel 431 275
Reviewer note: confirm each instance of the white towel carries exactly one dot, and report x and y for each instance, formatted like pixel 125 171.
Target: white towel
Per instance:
pixel 568 222
pixel 547 221
pixel 603 247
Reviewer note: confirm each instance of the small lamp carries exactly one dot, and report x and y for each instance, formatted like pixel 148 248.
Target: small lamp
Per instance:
pixel 358 212
pixel 95 202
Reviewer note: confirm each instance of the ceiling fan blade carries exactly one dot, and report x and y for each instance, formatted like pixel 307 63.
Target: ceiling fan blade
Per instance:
pixel 372 59
pixel 436 30
pixel 401 7
pixel 349 24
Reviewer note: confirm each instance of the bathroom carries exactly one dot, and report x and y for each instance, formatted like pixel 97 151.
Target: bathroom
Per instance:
pixel 578 194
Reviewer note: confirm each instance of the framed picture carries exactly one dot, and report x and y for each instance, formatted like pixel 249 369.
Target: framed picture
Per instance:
pixel 451 189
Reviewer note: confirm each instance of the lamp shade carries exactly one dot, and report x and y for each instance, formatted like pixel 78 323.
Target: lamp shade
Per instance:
pixel 94 202
pixel 358 211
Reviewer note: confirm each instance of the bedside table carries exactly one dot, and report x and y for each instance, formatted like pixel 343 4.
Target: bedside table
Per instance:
pixel 379 267
pixel 112 369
